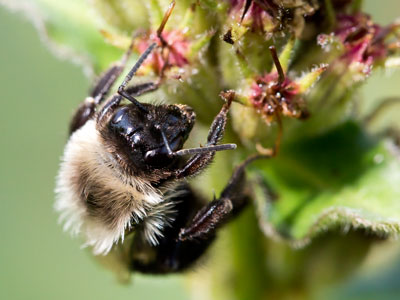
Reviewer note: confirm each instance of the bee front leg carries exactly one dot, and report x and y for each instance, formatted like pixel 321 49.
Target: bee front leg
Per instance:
pixel 87 109
pixel 199 161
pixel 231 202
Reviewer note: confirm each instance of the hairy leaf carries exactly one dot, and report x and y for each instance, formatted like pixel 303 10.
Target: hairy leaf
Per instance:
pixel 341 180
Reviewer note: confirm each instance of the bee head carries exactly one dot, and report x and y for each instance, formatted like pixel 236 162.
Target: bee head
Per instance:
pixel 148 140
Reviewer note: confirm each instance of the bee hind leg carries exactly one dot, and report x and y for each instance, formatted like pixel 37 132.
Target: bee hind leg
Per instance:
pixel 232 201
pixel 193 229
pixel 171 255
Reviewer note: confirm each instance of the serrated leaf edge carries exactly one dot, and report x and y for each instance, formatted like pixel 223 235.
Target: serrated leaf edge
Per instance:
pixel 336 219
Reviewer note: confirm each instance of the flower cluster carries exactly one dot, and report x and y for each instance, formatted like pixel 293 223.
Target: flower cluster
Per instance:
pixel 275 94
pixel 178 46
pixel 272 98
pixel 363 43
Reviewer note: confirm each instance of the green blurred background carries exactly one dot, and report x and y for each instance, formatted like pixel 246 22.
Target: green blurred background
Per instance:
pixel 39 95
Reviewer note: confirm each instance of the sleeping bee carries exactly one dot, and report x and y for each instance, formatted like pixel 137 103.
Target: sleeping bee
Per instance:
pixel 122 185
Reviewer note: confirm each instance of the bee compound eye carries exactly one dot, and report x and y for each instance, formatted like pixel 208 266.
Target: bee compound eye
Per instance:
pixel 119 116
pixel 124 123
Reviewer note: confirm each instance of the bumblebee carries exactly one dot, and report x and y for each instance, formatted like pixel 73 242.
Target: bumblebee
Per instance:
pixel 121 184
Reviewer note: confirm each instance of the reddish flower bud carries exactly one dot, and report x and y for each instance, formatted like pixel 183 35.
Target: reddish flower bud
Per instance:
pixel 175 52
pixel 271 97
pixel 364 42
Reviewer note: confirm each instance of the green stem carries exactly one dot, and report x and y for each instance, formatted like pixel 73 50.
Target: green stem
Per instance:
pixel 250 275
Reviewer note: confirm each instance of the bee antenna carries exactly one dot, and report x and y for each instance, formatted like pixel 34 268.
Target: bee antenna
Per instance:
pixel 206 149
pixel 129 76
pixel 192 151
pixel 278 65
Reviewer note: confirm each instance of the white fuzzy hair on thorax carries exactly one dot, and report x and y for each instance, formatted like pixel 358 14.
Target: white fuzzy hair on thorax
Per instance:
pixel 88 170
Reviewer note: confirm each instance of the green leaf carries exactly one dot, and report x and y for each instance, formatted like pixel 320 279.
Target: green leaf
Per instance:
pixel 343 179
pixel 72 29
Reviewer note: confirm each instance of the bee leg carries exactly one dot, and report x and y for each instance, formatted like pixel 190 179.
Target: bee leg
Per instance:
pixel 123 92
pixel 193 229
pixel 114 102
pixel 199 161
pixel 233 199
pixel 143 88
pixel 84 112
pixel 170 254
pixel 107 110
pixel 87 109
pixel 173 257
pixel 123 86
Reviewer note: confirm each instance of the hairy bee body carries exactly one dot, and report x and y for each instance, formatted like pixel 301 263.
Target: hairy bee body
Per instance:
pixel 123 175
pixel 96 197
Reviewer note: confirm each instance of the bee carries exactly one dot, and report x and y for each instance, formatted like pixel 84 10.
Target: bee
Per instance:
pixel 121 184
